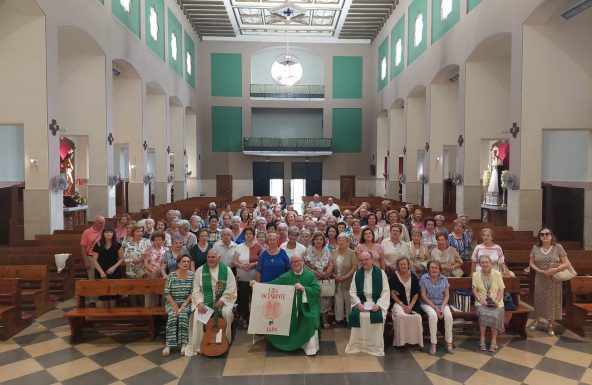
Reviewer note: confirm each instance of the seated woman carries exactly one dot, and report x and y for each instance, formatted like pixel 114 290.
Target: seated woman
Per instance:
pixel 407 323
pixel 448 257
pixel 419 253
pixel 177 293
pixel 434 302
pixel 488 288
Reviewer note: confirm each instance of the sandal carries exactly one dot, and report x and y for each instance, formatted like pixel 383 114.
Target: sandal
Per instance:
pixel 551 330
pixel 166 351
pixel 493 348
pixel 433 350
pixel 533 326
pixel 482 346
pixel 450 349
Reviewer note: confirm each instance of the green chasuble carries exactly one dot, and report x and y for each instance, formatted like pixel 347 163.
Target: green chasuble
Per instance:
pixel 375 317
pixel 305 316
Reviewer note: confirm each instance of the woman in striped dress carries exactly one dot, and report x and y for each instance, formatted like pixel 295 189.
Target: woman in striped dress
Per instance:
pixel 177 292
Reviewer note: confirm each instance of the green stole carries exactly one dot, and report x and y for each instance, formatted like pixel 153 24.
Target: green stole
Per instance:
pixel 206 281
pixel 375 317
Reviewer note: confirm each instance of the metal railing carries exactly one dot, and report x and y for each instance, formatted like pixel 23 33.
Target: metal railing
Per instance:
pixel 287 144
pixel 288 92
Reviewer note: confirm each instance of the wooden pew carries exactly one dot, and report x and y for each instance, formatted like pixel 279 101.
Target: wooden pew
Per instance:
pixel 60 284
pixel 519 315
pixel 51 247
pixel 578 311
pixel 12 319
pixel 35 287
pixel 117 319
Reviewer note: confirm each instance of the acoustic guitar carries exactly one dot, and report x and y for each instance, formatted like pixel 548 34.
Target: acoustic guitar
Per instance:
pixel 216 324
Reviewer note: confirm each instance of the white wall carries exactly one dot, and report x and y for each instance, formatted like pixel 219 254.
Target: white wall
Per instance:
pixel 12 153
pixel 261 61
pixel 286 123
pixel 566 155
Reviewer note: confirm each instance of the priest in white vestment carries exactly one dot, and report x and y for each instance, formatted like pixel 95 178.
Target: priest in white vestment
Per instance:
pixel 369 293
pixel 205 294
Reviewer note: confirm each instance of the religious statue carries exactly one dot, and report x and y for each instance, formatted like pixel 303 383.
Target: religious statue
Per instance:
pixel 67 167
pixel 493 194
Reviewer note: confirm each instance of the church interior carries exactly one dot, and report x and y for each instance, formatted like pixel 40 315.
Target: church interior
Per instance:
pixel 479 108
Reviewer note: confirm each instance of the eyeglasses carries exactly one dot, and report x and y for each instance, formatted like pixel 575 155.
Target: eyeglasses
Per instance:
pixel 544 234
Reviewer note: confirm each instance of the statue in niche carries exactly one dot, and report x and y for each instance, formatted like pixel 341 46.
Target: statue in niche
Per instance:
pixel 494 165
pixel 498 162
pixel 68 168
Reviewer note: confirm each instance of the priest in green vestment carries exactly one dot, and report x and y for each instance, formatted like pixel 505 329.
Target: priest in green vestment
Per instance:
pixel 306 310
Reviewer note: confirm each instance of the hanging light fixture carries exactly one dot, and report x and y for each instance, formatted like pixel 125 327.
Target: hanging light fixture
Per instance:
pixel 287 69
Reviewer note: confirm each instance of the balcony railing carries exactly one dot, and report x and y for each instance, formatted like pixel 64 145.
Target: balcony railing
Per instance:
pixel 283 146
pixel 274 91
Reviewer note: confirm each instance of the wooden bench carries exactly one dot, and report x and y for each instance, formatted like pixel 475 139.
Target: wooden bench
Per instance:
pixel 83 319
pixel 60 284
pixel 519 315
pixel 35 286
pixel 578 310
pixel 12 319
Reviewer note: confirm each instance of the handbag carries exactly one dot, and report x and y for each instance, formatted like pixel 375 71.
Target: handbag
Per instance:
pixel 509 302
pixel 565 274
pixel 461 300
pixel 327 287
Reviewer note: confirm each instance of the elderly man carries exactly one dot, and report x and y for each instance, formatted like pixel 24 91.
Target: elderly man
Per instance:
pixel 369 296
pixel 88 240
pixel 330 206
pixel 213 231
pixel 306 310
pixel 316 202
pixel 226 248
pixel 206 296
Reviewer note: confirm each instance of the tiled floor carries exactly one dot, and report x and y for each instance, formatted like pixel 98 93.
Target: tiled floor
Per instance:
pixel 43 355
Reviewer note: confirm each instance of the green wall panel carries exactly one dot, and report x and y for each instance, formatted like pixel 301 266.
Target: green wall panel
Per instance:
pixel 416 8
pixel 130 19
pixel 439 26
pixel 383 61
pixel 227 129
pixel 175 31
pixel 102 2
pixel 347 77
pixel 398 34
pixel 472 4
pixel 347 130
pixel 155 8
pixel 189 58
pixel 226 72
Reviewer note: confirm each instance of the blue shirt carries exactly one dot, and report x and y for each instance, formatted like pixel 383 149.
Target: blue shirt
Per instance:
pixel 272 266
pixel 434 292
pixel 463 245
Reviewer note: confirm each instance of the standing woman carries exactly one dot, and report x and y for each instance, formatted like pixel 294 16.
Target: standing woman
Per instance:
pixel 331 235
pixel 245 260
pixel 392 218
pixel 428 236
pixel 380 221
pixel 373 225
pixel 345 265
pixel 121 230
pixel 190 238
pixel 440 228
pixel 368 243
pixel 177 293
pixel 107 261
pixel 245 215
pixel 236 236
pixel 169 262
pixel 407 323
pixel 133 252
pixel 488 289
pixel 199 252
pixel 152 261
pixel 419 253
pixel 434 302
pixel 416 222
pixel 318 260
pixel 547 258
pixel 493 251
pixel 273 262
pixel 394 248
pixel 162 225
pixel 460 240
pixel 404 217
pixel 355 234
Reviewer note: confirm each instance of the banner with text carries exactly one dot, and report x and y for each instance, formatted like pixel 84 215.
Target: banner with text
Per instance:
pixel 271 309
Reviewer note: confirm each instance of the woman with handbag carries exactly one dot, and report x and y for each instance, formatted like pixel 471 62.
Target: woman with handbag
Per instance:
pixel 318 260
pixel 345 265
pixel 488 289
pixel 547 259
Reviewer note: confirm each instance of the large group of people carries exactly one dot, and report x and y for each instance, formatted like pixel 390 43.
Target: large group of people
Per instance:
pixel 378 263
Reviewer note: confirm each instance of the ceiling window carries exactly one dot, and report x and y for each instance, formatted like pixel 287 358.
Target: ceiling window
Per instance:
pixel 445 9
pixel 418 28
pixel 398 52
pixel 153 24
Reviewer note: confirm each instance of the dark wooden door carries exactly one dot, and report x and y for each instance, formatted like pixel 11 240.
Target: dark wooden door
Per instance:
pixel 263 172
pixel 563 212
pixel 224 187
pixel 121 200
pixel 347 187
pixel 449 198
pixel 312 172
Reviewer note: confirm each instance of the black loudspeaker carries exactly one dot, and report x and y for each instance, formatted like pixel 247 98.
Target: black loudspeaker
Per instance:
pixel 372 170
